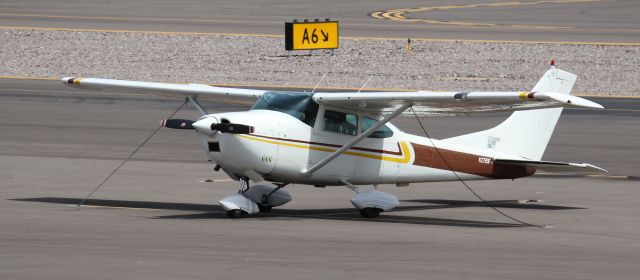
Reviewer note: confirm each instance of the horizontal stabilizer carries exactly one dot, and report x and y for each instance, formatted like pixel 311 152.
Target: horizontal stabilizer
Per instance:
pixel 553 166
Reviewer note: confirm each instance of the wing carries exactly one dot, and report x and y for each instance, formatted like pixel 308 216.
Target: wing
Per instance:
pixel 552 90
pixel 450 102
pixel 199 91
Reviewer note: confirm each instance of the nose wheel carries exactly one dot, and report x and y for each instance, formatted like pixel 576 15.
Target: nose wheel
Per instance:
pixel 236 213
pixel 370 212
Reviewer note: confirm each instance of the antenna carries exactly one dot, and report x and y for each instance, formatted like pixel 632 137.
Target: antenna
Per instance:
pixel 365 83
pixel 314 88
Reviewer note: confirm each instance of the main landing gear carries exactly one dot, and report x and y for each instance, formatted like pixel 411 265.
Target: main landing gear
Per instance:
pixel 253 199
pixel 372 202
pixel 370 212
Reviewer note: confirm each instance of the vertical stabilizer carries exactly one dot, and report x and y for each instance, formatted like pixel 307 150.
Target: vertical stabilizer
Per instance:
pixel 525 133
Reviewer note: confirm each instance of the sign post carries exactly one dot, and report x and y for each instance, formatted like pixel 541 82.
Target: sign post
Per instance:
pixel 310 35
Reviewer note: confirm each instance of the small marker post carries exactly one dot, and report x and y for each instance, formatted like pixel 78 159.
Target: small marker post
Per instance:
pixel 409 47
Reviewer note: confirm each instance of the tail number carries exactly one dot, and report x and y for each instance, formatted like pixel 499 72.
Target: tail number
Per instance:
pixel 484 160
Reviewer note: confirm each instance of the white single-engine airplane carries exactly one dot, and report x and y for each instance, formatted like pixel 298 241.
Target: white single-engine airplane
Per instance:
pixel 345 138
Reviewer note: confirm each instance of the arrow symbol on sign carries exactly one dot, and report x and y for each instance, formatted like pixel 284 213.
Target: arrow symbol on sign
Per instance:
pixel 325 36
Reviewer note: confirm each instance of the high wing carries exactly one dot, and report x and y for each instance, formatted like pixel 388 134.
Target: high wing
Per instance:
pixel 423 102
pixel 199 91
pixel 552 90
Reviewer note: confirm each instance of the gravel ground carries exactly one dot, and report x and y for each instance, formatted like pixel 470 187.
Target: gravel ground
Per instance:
pixel 602 70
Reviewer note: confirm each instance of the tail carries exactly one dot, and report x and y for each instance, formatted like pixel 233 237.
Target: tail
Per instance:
pixel 524 134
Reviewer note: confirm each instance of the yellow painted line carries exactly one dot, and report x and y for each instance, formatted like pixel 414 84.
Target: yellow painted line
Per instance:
pixel 29 78
pixel 187 20
pixel 400 15
pixel 138 31
pixel 598 43
pixel 137 18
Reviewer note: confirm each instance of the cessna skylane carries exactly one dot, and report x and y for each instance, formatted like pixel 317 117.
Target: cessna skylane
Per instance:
pixel 345 138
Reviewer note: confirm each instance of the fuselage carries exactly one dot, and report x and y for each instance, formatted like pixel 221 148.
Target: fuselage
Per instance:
pixel 285 143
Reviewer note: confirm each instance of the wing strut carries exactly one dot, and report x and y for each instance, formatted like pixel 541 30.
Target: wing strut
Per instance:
pixel 356 140
pixel 197 104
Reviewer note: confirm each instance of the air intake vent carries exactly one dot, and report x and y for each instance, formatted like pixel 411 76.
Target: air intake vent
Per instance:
pixel 214 146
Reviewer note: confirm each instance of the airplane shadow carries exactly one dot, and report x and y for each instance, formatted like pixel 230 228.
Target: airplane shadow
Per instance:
pixel 210 211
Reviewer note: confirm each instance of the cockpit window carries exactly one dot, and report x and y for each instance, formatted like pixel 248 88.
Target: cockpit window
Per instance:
pixel 382 132
pixel 298 105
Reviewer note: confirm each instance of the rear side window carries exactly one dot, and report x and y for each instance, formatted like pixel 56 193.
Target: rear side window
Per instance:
pixel 382 132
pixel 339 122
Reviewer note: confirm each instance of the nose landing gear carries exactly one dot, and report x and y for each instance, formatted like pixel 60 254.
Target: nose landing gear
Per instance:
pixel 238 205
pixel 251 200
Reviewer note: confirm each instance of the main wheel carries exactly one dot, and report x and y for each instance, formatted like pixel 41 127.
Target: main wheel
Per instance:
pixel 236 213
pixel 370 212
pixel 265 208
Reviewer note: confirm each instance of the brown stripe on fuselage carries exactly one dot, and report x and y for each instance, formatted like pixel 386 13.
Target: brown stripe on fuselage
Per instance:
pixel 466 163
pixel 398 153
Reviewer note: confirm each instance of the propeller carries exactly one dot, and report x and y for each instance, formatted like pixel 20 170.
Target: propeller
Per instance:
pixel 177 124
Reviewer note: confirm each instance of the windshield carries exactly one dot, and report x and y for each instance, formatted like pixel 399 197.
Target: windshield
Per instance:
pixel 298 105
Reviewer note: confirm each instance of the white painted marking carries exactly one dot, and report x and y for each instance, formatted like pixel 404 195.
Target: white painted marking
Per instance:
pixel 216 181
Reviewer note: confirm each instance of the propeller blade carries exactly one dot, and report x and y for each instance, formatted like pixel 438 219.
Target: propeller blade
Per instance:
pixel 177 124
pixel 232 128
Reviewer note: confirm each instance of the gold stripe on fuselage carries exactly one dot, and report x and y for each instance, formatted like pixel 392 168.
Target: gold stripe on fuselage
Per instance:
pixel 406 154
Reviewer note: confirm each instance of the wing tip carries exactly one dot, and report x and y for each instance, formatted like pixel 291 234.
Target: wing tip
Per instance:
pixel 71 80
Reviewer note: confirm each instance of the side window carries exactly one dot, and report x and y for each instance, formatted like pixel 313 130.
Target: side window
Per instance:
pixel 345 123
pixel 382 132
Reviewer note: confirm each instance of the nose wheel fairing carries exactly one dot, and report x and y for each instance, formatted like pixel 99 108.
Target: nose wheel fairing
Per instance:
pixel 238 205
pixel 254 199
